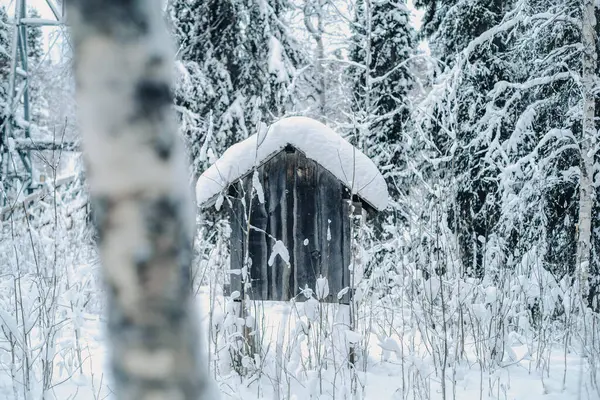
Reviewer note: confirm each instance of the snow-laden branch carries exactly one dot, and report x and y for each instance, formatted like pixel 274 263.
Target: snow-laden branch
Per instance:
pixel 402 64
pixel 511 20
pixel 553 134
pixel 501 86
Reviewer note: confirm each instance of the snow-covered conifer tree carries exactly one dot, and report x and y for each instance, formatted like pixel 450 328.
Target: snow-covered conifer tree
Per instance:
pixel 588 144
pixel 35 48
pixel 506 123
pixel 455 111
pixel 208 94
pixel 537 108
pixel 273 57
pixel 237 60
pixel 382 44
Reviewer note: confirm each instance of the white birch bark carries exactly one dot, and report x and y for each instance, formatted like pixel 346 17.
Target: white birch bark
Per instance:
pixel 588 144
pixel 140 193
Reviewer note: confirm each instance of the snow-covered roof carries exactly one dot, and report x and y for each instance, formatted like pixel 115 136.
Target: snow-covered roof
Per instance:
pixel 318 143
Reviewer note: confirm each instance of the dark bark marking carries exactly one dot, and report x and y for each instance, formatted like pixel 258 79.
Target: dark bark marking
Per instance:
pixel 151 100
pixel 167 236
pixel 121 18
pixel 163 149
pixel 142 268
pixel 152 95
pixel 161 213
pixel 118 322
pixel 101 209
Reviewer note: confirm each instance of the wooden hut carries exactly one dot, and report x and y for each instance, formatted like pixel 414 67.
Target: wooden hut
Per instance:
pixel 289 191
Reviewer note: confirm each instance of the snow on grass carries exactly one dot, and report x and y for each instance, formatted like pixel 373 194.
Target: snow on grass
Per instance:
pixel 397 367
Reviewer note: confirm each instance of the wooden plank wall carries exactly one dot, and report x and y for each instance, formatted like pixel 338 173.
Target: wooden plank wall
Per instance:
pixel 302 201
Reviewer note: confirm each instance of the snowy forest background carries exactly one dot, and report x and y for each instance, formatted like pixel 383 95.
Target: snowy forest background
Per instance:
pixel 481 279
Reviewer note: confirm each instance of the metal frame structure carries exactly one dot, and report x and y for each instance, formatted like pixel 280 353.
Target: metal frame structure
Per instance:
pixel 16 140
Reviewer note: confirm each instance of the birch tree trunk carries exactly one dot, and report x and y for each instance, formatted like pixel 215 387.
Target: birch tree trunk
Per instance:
pixel 140 193
pixel 588 145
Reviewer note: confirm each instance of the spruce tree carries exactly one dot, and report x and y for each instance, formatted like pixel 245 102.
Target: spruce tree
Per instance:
pixel 541 125
pixel 382 43
pixel 506 125
pixel 35 46
pixel 210 40
pixel 542 108
pixel 450 25
pixel 238 58
pixel 273 57
pixel 433 12
pixel 454 113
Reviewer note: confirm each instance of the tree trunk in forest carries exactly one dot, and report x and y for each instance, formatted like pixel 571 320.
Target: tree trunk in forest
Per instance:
pixel 366 123
pixel 138 186
pixel 587 145
pixel 317 34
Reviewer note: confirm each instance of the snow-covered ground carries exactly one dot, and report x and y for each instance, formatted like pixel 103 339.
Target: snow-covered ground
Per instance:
pixel 392 371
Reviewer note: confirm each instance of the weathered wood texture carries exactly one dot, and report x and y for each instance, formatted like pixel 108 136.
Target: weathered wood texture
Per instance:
pixel 303 201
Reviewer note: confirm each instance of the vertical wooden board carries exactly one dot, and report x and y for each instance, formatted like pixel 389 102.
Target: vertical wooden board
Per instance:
pixel 315 242
pixel 276 170
pixel 288 278
pixel 266 182
pixel 264 179
pixel 346 247
pixel 236 218
pixel 257 244
pixel 307 257
pixel 323 195
pixel 331 233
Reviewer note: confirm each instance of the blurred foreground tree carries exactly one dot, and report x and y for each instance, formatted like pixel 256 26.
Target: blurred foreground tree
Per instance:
pixel 139 189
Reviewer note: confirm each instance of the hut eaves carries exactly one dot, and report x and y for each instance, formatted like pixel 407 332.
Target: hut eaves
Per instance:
pixel 318 143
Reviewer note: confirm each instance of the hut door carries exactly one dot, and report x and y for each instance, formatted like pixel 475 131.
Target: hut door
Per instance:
pixel 304 209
